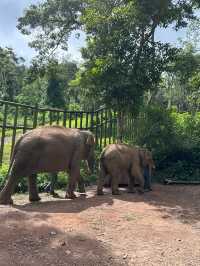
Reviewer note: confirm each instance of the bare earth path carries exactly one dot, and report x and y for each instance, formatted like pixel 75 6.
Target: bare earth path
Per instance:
pixel 159 228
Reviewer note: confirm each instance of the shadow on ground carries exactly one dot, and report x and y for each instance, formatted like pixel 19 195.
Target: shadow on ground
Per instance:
pixel 81 203
pixel 179 202
pixel 26 239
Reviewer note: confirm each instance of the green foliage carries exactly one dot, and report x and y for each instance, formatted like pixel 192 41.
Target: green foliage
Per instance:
pixel 48 85
pixel 11 73
pixel 174 140
pixel 55 20
pixel 33 93
pixel 154 128
pixel 3 173
pixel 122 60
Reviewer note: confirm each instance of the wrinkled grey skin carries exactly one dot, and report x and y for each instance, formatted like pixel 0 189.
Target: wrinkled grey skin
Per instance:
pixel 49 149
pixel 120 161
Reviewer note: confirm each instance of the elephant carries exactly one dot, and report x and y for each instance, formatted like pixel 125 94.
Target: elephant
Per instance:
pixel 49 149
pixel 123 161
pixel 148 166
pixel 49 188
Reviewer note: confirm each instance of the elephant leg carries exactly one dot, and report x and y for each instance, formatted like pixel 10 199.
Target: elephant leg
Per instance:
pixel 74 176
pixel 137 173
pixel 8 190
pixel 101 180
pixel 115 184
pixel 32 185
pixel 147 180
pixel 131 184
pixel 81 185
pixel 140 179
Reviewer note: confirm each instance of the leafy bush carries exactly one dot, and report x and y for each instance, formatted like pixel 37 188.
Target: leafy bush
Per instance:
pixel 174 139
pixel 154 129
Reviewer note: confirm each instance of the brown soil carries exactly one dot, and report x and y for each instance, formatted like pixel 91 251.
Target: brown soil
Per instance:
pixel 161 227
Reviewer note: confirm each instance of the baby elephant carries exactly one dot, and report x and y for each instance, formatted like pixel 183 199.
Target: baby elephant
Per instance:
pixel 120 160
pixel 49 149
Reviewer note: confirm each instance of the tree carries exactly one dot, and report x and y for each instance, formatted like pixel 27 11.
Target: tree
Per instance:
pixel 11 73
pixel 54 21
pixel 179 86
pixel 122 59
pixel 192 38
pixel 48 84
pixel 51 22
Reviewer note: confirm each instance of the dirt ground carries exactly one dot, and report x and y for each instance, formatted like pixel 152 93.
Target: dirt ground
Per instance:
pixel 161 227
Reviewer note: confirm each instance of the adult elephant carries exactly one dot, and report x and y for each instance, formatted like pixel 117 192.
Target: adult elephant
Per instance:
pixel 120 161
pixel 48 149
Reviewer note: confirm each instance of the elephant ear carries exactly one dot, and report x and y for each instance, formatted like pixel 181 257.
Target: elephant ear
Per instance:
pixel 90 140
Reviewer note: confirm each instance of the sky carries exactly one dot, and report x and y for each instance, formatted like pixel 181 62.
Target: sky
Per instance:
pixel 10 10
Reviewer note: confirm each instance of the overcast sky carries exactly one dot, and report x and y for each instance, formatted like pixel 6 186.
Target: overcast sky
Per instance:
pixel 10 10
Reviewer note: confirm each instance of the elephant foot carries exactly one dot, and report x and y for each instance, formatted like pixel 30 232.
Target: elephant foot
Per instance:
pixel 34 199
pixel 6 201
pixel 141 191
pixel 70 195
pixel 148 189
pixel 100 192
pixel 116 192
pixel 132 190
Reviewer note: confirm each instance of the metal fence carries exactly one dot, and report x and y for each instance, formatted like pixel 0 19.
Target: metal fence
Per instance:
pixel 16 119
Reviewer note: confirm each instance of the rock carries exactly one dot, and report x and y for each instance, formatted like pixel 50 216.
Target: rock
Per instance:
pixel 125 256
pixel 52 233
pixel 68 252
pixel 63 243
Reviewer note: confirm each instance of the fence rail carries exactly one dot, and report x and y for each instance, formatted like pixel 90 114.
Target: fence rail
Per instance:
pixel 17 118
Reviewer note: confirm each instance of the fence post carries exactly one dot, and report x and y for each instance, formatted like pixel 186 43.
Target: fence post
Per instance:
pixel 14 130
pixel 92 121
pixel 70 119
pixel 3 132
pixel 76 117
pixel 35 116
pixel 96 128
pixel 105 128
pixel 81 120
pixel 86 123
pixel 101 129
pixel 64 118
pixel 110 126
pixel 43 118
pixel 115 127
pixel 51 118
pixel 25 122
pixel 58 118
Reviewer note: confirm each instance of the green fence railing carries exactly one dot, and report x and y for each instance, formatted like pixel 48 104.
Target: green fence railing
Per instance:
pixel 17 118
